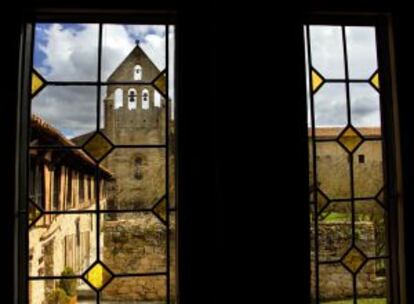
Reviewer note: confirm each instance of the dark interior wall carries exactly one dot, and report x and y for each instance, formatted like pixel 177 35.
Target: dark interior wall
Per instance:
pixel 242 125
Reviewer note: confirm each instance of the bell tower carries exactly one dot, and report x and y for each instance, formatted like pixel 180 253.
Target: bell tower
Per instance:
pixel 134 113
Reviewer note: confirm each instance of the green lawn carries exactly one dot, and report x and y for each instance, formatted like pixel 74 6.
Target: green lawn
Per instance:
pixel 361 301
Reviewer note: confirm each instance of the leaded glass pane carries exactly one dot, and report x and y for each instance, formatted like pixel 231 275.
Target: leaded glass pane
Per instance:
pixel 347 191
pixel 100 208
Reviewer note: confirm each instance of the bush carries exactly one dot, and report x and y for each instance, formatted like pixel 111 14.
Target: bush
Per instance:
pixel 57 296
pixel 68 285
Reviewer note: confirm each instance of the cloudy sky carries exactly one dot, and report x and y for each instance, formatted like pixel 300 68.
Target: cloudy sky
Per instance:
pixel 328 59
pixel 69 52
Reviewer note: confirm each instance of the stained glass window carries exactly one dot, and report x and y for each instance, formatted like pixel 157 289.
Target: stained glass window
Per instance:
pixel 100 202
pixel 350 256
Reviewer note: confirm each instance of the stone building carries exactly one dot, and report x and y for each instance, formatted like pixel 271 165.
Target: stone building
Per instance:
pixel 60 180
pixel 334 226
pixel 136 242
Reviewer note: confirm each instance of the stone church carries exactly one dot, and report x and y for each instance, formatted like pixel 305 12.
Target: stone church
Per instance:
pixel 131 149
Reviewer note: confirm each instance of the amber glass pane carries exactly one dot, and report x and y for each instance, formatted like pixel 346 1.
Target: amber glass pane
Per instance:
pixel 98 275
pixel 161 210
pixel 354 259
pixel 160 84
pixel 350 139
pixel 37 83
pixel 317 80
pixel 34 213
pixel 375 80
pixel 98 147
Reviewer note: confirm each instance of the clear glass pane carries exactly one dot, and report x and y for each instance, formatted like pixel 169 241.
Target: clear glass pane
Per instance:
pixel 133 243
pixel 75 164
pixel 173 261
pixel 138 178
pixel 371 228
pixel 62 180
pixel 66 51
pixel 330 109
pixel 136 290
pixel 327 51
pixel 335 283
pixel 62 245
pixel 342 142
pixel 335 231
pixel 362 51
pixel 60 291
pixel 368 162
pixel 126 47
pixel 63 115
pixel 372 283
pixel 333 161
pixel 133 115
pixel 365 109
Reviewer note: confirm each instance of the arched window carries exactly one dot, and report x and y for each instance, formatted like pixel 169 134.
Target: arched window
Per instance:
pixel 132 99
pixel 145 99
pixel 138 168
pixel 157 99
pixel 119 98
pixel 137 72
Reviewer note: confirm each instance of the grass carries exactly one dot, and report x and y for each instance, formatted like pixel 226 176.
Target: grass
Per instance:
pixel 337 216
pixel 361 301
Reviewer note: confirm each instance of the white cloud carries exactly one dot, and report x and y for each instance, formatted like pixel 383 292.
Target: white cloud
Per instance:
pixel 327 57
pixel 70 54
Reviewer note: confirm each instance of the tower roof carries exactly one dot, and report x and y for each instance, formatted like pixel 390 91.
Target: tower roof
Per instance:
pixel 135 57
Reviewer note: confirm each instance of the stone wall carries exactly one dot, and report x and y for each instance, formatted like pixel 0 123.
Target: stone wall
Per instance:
pixel 137 245
pixel 333 169
pixel 335 281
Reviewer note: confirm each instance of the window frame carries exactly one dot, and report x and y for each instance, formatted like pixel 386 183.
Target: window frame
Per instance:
pixel 383 23
pixel 165 17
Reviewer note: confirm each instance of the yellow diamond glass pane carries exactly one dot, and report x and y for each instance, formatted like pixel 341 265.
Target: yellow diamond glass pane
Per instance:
pixel 354 259
pixel 322 201
pixel 37 83
pixel 350 139
pixel 98 276
pixel 161 210
pixel 34 213
pixel 375 81
pixel 98 146
pixel 316 81
pixel 160 83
